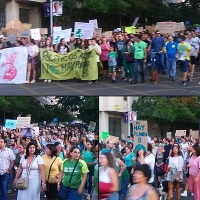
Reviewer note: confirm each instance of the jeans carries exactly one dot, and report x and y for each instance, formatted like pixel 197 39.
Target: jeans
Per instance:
pixel 11 180
pixel 113 196
pixel 4 179
pixel 171 65
pixel 141 63
pixel 73 195
pixel 160 62
pixel 123 190
pixel 89 179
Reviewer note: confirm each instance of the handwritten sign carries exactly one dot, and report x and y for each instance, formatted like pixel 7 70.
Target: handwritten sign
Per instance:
pixel 97 32
pixel 94 22
pixel 180 133
pixel 44 31
pixel 16 24
pixel 108 34
pixel 168 134
pixel 114 139
pixel 194 134
pixel 83 30
pixel 180 26
pixel 58 35
pixel 23 122
pixel 140 134
pixel 35 34
pixel 166 27
pixel 92 126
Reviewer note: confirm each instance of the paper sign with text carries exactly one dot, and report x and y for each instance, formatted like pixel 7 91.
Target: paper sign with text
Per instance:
pixel 112 138
pixel 83 30
pixel 35 34
pixel 94 22
pixel 180 133
pixel 166 27
pixel 23 122
pixel 11 124
pixel 140 135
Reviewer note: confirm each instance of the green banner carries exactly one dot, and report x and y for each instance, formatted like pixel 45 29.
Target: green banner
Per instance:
pixel 76 64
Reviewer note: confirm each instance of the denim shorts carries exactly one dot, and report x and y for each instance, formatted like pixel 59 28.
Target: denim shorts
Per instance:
pixel 184 65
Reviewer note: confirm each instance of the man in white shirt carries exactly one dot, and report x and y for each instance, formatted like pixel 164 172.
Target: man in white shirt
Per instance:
pixel 148 159
pixel 56 139
pixel 7 158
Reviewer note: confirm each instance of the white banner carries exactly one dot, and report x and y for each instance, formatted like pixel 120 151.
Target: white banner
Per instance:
pixel 35 34
pixel 58 35
pixel 58 28
pixel 83 30
pixel 94 22
pixel 13 65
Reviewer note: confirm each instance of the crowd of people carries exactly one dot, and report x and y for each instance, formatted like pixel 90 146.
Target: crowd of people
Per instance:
pixel 127 53
pixel 61 162
pixel 125 173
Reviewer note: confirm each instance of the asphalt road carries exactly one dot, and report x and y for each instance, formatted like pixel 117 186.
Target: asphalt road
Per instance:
pixel 105 87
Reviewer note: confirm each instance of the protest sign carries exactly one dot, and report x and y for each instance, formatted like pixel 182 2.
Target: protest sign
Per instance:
pixel 33 125
pixel 76 64
pixel 194 134
pixel 26 27
pixel 139 30
pixel 27 132
pixel 83 30
pixel 180 26
pixel 180 133
pixel 104 135
pixel 36 131
pixel 130 30
pixel 23 122
pixel 108 34
pixel 150 29
pixel 168 134
pixel 11 124
pixel 58 28
pixel 35 34
pixel 166 27
pixel 92 126
pixel 98 32
pixel 140 134
pixel 113 139
pixel 13 65
pixel 95 23
pixel 16 24
pixel 43 31
pixel 58 35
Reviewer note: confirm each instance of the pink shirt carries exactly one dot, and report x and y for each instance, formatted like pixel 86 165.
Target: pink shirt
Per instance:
pixel 194 165
pixel 104 52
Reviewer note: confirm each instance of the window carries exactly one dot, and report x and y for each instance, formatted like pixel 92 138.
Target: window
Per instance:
pixel 24 15
pixel 2 18
pixel 115 126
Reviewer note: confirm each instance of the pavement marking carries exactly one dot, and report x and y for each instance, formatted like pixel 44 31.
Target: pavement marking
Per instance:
pixel 32 92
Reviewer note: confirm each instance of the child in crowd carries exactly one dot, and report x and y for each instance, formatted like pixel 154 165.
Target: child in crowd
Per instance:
pixel 112 63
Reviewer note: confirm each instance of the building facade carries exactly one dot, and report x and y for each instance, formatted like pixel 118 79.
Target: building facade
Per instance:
pixel 26 11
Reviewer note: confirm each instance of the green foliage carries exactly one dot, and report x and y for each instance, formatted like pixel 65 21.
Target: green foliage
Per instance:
pixel 168 111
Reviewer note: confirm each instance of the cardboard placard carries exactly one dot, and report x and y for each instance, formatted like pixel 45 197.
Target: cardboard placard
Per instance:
pixel 113 139
pixel 180 133
pixel 11 124
pixel 180 26
pixel 166 27
pixel 97 32
pixel 139 30
pixel 194 134
pixel 108 34
pixel 44 31
pixel 23 122
pixel 35 34
pixel 27 27
pixel 169 135
pixel 130 30
pixel 151 29
pixel 140 134
pixel 15 24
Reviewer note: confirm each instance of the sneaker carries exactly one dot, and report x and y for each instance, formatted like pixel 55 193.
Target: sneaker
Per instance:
pixel 183 83
pixel 119 70
pixel 44 196
pixel 45 81
pixel 184 194
pixel 9 192
pixel 95 82
pixel 113 81
pixel 33 81
pixel 130 79
pixel 90 82
pixel 125 79
pixel 192 194
pixel 49 81
pixel 88 197
pixel 129 185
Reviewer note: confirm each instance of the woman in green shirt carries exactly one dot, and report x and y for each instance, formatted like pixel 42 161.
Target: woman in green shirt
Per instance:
pixel 128 51
pixel 88 156
pixel 78 180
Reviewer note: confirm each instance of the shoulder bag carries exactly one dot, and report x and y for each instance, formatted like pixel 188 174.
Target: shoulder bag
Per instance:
pixel 22 183
pixel 63 192
pixel 47 182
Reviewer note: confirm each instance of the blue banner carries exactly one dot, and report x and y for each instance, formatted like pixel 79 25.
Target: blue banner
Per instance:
pixel 46 9
pixel 126 117
pixel 11 124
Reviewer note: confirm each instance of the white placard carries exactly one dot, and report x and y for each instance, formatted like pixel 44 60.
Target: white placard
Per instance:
pixel 94 22
pixel 58 28
pixel 58 35
pixel 35 34
pixel 83 30
pixel 23 122
pixel 13 65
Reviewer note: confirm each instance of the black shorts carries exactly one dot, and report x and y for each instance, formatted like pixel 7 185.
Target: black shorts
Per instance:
pixel 105 64
pixel 120 60
pixel 192 60
pixel 187 175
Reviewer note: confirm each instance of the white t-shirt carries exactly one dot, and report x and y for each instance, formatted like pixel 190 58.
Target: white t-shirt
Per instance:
pixel 32 50
pixel 150 161
pixel 90 137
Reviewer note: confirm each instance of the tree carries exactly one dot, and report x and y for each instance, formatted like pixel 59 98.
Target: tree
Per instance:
pixel 171 111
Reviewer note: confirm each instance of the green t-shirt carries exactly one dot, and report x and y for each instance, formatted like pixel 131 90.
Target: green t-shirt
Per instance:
pixel 139 49
pixel 96 178
pixel 88 157
pixel 61 155
pixel 68 167
pixel 125 175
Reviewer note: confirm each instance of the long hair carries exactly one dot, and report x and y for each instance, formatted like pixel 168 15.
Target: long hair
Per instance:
pixel 27 149
pixel 110 159
pixel 52 148
pixel 197 149
pixel 179 152
pixel 71 150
